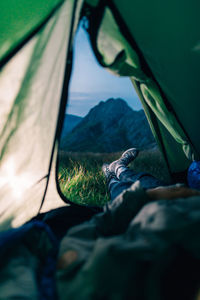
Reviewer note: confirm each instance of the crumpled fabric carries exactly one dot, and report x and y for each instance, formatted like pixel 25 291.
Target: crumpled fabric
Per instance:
pixel 136 249
pixel 27 262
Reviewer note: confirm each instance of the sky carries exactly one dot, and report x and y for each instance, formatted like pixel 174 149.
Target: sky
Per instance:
pixel 90 83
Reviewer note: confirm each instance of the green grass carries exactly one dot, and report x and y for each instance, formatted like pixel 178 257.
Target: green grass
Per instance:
pixel 82 181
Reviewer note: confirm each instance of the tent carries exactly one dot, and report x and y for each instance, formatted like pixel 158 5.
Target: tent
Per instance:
pixel 156 44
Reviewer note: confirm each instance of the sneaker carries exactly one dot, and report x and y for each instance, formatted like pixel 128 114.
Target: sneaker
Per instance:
pixel 128 156
pixel 107 172
pixel 125 159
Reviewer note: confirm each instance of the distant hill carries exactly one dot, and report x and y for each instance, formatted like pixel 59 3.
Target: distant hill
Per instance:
pixel 110 126
pixel 70 122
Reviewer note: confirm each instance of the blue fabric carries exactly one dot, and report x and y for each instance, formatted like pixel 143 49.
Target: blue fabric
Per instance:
pixel 13 236
pixel 46 280
pixel 193 175
pixel 46 271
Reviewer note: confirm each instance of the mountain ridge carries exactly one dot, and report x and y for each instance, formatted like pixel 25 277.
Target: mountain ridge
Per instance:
pixel 110 126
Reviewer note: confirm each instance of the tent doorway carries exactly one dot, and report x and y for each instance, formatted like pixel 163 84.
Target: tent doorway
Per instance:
pixel 103 118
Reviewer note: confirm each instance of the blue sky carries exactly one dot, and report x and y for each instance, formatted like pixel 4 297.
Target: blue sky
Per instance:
pixel 90 83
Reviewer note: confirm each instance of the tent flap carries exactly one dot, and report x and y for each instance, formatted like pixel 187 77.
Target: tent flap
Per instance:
pixel 19 20
pixel 124 45
pixel 30 102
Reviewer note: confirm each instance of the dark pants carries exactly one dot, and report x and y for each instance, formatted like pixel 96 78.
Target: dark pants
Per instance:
pixel 126 177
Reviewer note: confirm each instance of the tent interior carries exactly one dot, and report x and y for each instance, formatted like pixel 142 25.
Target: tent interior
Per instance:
pixel 155 44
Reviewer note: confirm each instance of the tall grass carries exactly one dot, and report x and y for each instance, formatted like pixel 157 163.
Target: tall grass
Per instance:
pixel 82 181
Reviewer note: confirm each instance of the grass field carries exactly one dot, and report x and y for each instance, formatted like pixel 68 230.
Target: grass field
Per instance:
pixel 81 179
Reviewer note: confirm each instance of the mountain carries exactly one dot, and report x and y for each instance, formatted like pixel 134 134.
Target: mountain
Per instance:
pixel 70 122
pixel 110 126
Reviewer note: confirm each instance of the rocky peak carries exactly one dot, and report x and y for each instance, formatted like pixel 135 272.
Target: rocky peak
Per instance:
pixel 108 127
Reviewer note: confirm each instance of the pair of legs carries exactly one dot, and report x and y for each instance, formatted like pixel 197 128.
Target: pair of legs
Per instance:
pixel 120 177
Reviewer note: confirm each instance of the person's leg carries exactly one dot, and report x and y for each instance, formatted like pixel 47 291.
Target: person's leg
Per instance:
pixel 119 177
pixel 116 187
pixel 147 181
pixel 127 177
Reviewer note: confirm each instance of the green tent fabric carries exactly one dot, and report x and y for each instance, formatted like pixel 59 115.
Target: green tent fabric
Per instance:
pixel 149 63
pixel 19 20
pixel 155 44
pixel 31 88
pixel 170 48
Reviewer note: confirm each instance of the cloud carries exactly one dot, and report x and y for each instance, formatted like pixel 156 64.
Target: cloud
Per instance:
pixel 77 96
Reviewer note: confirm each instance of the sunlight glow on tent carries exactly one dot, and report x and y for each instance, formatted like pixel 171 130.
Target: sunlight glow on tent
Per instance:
pixel 17 183
pixel 11 79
